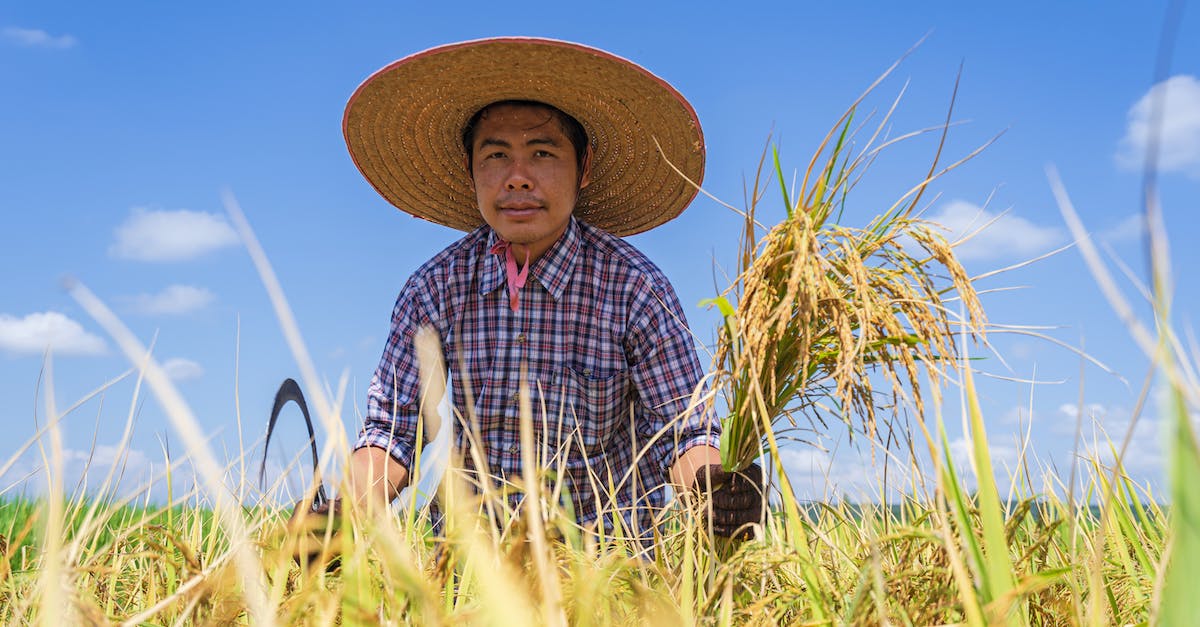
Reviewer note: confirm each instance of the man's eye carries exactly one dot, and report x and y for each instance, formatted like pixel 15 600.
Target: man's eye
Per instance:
pixel 494 155
pixel 543 153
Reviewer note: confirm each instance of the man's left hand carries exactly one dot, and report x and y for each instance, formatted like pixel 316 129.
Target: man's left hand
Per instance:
pixel 736 498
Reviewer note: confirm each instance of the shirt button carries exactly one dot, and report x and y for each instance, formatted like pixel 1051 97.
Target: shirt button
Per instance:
pixel 520 338
pixel 513 449
pixel 587 373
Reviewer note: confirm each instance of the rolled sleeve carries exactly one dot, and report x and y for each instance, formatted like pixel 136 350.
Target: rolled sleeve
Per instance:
pixel 393 398
pixel 667 373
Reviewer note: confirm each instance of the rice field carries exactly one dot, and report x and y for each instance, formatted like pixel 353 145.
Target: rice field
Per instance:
pixel 912 562
pixel 822 323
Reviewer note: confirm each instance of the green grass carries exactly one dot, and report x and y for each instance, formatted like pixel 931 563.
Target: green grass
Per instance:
pixel 22 535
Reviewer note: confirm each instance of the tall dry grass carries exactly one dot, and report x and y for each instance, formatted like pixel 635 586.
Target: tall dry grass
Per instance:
pixel 816 311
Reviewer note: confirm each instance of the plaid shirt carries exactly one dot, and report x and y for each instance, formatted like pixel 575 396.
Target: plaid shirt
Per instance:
pixel 611 364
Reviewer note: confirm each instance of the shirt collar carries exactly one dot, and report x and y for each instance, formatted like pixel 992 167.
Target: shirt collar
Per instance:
pixel 552 270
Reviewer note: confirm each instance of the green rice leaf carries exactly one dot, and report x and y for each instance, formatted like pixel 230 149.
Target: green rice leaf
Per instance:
pixel 721 303
pixel 787 198
pixel 1180 603
pixel 995 544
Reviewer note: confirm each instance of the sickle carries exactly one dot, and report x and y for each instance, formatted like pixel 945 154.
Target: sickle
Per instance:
pixel 289 390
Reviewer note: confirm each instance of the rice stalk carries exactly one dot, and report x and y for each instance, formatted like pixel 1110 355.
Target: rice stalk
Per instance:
pixel 52 585
pixel 177 410
pixel 817 308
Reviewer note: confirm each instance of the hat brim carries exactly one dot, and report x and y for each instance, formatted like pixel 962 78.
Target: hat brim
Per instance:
pixel 403 127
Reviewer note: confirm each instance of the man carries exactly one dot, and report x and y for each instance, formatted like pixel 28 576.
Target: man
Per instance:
pixel 545 152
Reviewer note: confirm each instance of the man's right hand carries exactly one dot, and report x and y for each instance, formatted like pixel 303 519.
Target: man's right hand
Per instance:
pixel 315 533
pixel 375 478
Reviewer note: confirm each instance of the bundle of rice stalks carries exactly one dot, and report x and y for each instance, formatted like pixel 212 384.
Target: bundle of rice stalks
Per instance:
pixel 818 308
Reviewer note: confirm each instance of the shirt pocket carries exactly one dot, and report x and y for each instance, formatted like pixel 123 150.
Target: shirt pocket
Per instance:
pixel 594 410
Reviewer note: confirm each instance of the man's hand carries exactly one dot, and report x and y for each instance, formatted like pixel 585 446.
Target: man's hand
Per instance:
pixel 307 528
pixel 373 481
pixel 736 498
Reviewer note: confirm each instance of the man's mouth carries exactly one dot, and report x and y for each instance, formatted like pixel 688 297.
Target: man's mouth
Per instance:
pixel 520 208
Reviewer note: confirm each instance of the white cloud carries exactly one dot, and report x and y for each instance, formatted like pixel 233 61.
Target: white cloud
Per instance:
pixel 854 473
pixel 180 369
pixel 1093 411
pixel 1105 429
pixel 1003 453
pixel 32 334
pixel 1003 456
pixel 806 460
pixel 84 472
pixel 175 299
pixel 171 235
pixel 1129 229
pixel 815 477
pixel 1177 101
pixel 1023 349
pixel 34 38
pixel 1144 454
pixel 105 455
pixel 1009 236
pixel 1021 416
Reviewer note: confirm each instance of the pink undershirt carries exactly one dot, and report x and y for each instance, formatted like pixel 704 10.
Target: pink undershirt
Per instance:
pixel 515 279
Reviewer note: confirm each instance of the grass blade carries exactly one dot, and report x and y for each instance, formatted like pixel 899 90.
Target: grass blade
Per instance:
pixel 1180 603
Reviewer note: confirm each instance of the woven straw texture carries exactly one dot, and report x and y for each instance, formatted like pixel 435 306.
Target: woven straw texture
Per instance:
pixel 403 127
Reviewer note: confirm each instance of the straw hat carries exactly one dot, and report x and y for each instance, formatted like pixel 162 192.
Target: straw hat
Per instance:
pixel 404 126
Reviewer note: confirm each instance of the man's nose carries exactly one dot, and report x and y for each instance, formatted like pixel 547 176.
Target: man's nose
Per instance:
pixel 518 178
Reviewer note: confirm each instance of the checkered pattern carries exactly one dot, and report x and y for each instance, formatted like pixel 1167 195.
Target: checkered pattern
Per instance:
pixel 611 365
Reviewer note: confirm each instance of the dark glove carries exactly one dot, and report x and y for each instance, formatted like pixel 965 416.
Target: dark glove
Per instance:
pixel 736 498
pixel 307 529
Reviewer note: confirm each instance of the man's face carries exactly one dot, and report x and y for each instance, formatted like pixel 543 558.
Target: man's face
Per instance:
pixel 525 176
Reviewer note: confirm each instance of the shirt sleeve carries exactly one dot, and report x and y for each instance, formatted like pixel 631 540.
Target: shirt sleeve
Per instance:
pixel 393 398
pixel 666 372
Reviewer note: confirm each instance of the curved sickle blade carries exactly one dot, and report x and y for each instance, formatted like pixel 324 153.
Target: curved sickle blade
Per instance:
pixel 289 390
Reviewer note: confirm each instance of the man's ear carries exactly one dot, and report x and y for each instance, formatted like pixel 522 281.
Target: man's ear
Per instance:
pixel 470 175
pixel 585 176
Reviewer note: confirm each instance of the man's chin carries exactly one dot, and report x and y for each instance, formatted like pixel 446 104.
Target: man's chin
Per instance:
pixel 516 226
pixel 515 235
pixel 519 239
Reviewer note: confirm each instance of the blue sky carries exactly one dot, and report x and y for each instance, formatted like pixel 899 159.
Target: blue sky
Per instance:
pixel 121 124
